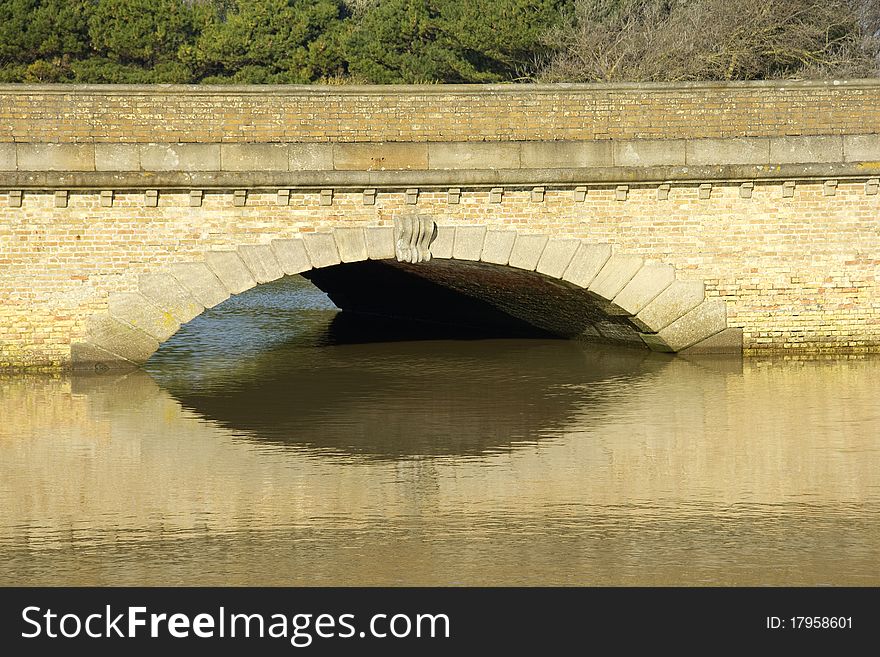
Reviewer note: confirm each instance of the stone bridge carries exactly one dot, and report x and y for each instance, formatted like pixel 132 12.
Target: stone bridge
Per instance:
pixel 698 218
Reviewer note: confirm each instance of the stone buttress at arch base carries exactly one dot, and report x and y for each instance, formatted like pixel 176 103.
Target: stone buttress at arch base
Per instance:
pixel 562 286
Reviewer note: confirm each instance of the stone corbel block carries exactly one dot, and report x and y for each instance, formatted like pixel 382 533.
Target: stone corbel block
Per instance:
pixel 746 190
pixel 580 194
pixel 326 197
pixel 829 188
pixel 872 186
pixel 107 198
pixel 283 197
pixel 61 198
pixel 538 195
pixel 15 197
pixel 496 194
pixel 239 197
pixel 663 192
pixel 705 191
pixel 412 196
pixel 151 198
pixel 453 196
pixel 788 189
pixel 369 197
pixel 196 196
pixel 621 192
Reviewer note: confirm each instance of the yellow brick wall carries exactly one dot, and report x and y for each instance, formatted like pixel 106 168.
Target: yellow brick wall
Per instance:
pixel 434 113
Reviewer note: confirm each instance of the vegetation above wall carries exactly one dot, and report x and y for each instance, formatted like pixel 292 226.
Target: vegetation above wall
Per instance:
pixel 413 41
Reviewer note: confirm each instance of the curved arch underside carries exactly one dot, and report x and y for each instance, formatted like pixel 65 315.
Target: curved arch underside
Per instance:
pixel 562 286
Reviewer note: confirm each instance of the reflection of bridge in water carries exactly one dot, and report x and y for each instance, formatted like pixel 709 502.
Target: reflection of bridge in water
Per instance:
pixel 412 398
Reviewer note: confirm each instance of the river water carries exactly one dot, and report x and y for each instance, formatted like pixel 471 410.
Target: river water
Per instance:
pixel 275 441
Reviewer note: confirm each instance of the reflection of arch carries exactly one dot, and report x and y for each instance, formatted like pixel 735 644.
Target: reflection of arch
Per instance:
pixel 637 303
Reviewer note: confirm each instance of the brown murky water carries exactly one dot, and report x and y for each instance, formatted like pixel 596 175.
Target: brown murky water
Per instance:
pixel 264 446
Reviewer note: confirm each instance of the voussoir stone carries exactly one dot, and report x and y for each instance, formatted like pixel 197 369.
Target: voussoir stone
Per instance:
pixel 704 321
pixel 443 244
pixel 260 259
pixel 291 255
pixel 557 255
pixel 527 250
pixel 231 271
pixel 201 282
pixel 468 244
pixel 135 309
pixel 669 305
pixel 614 275
pixel 497 246
pixel 166 292
pixel 380 242
pixel 322 250
pixel 588 260
pixel 644 287
pixel 351 244
pixel 120 339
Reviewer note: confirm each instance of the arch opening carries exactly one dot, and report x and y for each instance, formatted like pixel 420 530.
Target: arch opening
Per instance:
pixel 475 276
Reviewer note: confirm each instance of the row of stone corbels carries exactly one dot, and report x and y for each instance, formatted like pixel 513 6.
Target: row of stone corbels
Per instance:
pixel 671 315
pixel 453 195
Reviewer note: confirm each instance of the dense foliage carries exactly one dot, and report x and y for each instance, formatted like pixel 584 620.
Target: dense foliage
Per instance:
pixel 409 41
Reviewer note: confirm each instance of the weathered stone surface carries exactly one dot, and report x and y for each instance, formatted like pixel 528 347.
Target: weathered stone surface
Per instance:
pixel 825 148
pixel 88 357
pixel 254 157
pixel 614 275
pixel 7 156
pixel 291 255
pixel 117 157
pixel 497 246
pixel 861 148
pixel 527 250
pixel 380 156
pixel 55 157
pixel 644 287
pixel 588 260
pixel 380 242
pixel 231 271
pixel 351 244
pixel 322 250
pixel 728 341
pixel 166 292
pixel 180 157
pixel 744 150
pixel 119 339
pixel 564 154
pixel 473 155
pixel 444 242
pixel 310 157
pixel 468 243
pixel 669 305
pixel 707 319
pixel 650 152
pixel 260 259
pixel 201 282
pixel 557 255
pixel 138 311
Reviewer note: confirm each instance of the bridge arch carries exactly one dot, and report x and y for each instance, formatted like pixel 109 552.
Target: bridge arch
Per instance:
pixel 567 286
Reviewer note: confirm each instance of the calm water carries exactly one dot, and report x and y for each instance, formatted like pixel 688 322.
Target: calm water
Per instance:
pixel 264 445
